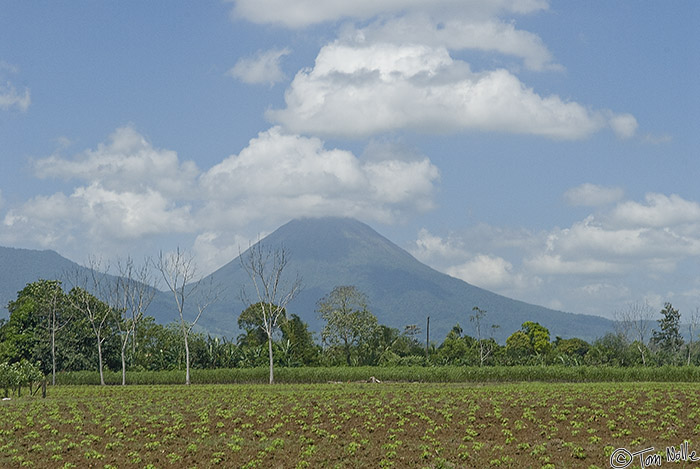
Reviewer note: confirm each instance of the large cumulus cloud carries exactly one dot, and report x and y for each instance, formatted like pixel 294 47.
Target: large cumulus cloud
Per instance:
pixel 127 190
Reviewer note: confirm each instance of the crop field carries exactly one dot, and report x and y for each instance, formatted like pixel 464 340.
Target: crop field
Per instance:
pixel 355 425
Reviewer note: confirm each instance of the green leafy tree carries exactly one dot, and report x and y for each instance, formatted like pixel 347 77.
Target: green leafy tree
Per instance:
pixel 159 347
pixel 251 321
pixel 668 338
pixel 571 351
pixel 519 347
pixel 22 335
pixel 16 375
pixel 349 325
pixel 539 337
pixel 610 350
pixel 454 349
pixel 38 314
pixel 408 344
pixel 298 343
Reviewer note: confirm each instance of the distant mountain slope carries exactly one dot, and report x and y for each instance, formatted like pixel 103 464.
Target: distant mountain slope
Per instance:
pixel 328 252
pixel 18 267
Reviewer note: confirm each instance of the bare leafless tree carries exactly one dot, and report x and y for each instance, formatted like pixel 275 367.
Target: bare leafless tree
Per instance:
pixel 633 323
pixel 129 296
pixel 178 270
pixel 87 285
pixel 485 347
pixel 265 267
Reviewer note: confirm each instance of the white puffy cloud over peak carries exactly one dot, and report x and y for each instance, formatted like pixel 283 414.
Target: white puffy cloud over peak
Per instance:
pixel 126 189
pixel 362 89
pixel 280 173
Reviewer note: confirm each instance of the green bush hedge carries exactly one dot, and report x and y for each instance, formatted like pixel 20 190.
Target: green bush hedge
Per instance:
pixel 441 374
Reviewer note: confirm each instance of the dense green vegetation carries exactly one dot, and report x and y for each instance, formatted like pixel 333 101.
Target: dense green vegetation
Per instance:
pixel 61 331
pixel 405 374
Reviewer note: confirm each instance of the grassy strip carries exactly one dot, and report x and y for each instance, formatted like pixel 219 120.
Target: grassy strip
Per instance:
pixel 445 374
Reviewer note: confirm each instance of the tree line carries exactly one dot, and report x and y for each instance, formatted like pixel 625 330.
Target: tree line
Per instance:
pixel 97 324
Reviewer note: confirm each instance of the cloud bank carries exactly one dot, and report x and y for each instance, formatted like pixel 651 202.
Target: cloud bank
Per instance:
pixel 590 262
pixel 127 189
pixel 392 68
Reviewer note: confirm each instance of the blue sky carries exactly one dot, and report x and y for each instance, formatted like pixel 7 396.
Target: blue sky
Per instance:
pixel 544 150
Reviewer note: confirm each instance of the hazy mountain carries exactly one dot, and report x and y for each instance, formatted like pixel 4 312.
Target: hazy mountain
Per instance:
pixel 328 252
pixel 18 267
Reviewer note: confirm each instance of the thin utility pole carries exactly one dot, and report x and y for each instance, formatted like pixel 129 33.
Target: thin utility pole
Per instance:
pixel 427 338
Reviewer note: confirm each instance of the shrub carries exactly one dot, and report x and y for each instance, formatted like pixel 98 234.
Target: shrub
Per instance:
pixel 17 375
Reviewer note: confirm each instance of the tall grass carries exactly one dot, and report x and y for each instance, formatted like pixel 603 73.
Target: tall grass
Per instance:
pixel 442 374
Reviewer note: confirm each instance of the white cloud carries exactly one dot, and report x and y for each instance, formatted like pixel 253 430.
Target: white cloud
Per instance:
pixel 556 265
pixel 453 255
pixel 127 162
pixel 659 211
pixel 11 98
pixel 282 175
pixel 213 249
pixel 127 190
pixel 456 33
pixel 94 215
pixel 657 139
pixel 393 70
pixel 263 68
pixel 360 90
pixel 434 250
pixel 591 195
pixel 129 215
pixel 303 13
pixel 456 25
pixel 486 271
pixel 624 125
pixel 624 252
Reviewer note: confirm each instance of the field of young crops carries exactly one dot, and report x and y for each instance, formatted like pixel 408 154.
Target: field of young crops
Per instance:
pixel 354 425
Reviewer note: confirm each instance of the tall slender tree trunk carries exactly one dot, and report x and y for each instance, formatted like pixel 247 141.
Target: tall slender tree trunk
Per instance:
pixel 269 349
pixel 641 351
pixel 99 358
pixel 124 363
pixel 53 352
pixel 185 333
pixel 347 350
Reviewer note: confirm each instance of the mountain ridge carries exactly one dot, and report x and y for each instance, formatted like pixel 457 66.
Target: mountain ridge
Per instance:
pixel 333 251
pixel 328 252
